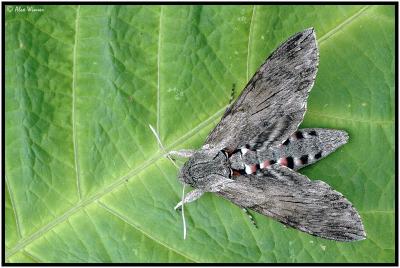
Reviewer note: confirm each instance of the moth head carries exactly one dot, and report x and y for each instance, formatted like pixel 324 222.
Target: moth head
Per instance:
pixel 205 169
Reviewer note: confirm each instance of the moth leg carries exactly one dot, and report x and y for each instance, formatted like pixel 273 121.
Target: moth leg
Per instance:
pixel 182 153
pixel 232 94
pixel 250 217
pixel 190 197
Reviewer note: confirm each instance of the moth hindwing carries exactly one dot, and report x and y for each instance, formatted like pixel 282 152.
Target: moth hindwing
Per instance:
pixel 252 156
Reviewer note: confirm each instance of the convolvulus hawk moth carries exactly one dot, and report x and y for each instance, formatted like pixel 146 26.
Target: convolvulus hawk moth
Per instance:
pixel 252 155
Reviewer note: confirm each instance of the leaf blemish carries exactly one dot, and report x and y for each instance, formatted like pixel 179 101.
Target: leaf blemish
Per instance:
pixel 178 93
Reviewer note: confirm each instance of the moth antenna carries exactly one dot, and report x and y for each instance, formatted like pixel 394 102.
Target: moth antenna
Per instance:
pixel 173 162
pixel 162 147
pixel 183 213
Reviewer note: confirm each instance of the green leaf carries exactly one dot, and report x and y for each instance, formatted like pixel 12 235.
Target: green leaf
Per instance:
pixel 85 180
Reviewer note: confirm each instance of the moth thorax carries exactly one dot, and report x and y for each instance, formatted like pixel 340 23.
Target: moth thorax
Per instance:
pixel 203 167
pixel 236 161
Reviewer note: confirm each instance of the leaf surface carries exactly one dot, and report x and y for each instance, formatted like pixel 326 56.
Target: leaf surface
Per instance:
pixel 85 179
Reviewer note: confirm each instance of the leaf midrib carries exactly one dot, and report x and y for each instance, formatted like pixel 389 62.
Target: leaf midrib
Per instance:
pixel 82 203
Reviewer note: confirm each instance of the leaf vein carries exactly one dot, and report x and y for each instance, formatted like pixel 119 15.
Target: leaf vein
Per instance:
pixel 346 22
pixel 352 119
pixel 34 258
pixel 158 71
pixel 101 238
pixel 124 219
pixel 13 207
pixel 249 42
pixel 75 141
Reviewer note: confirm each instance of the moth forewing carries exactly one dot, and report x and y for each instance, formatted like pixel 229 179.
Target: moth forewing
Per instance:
pixel 273 103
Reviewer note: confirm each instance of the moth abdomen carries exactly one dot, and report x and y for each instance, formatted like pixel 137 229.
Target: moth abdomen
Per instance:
pixel 304 147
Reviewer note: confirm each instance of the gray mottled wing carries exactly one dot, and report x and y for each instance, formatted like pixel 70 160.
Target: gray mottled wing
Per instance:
pixel 273 103
pixel 294 200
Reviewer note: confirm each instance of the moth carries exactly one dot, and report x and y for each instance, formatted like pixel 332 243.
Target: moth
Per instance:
pixel 253 154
